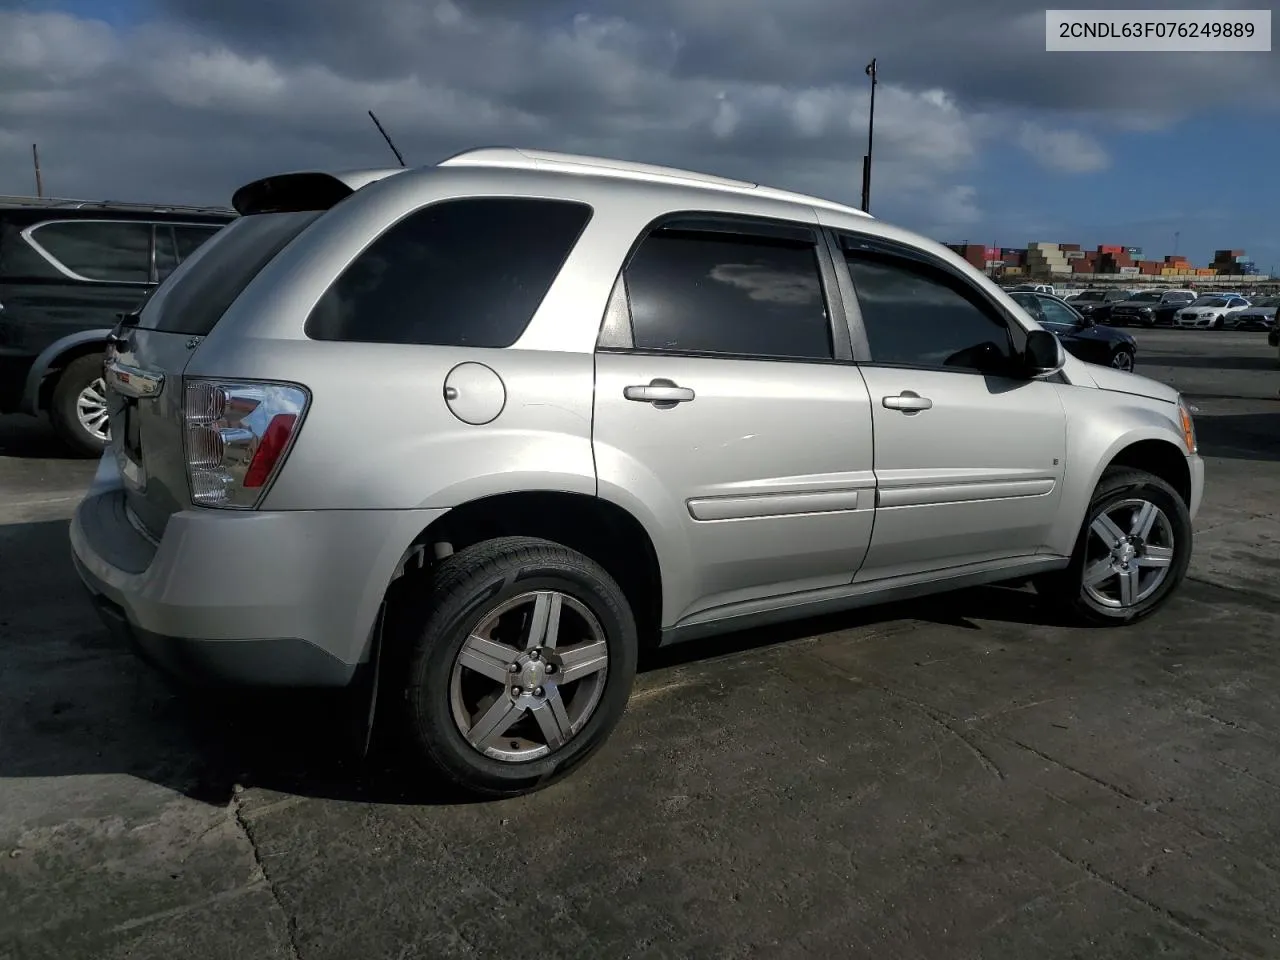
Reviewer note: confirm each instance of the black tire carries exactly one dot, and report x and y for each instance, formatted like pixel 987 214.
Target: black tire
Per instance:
pixel 1066 589
pixel 456 596
pixel 75 378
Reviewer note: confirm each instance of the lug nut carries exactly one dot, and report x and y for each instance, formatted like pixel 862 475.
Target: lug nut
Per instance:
pixel 516 691
pixel 537 691
pixel 534 653
pixel 513 668
pixel 551 668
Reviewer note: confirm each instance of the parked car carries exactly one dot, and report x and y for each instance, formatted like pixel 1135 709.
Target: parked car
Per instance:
pixel 480 430
pixel 1079 333
pixel 1210 312
pixel 1259 315
pixel 1097 304
pixel 1033 288
pixel 68 268
pixel 1151 308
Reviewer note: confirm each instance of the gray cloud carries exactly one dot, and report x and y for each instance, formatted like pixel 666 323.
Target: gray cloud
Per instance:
pixel 205 96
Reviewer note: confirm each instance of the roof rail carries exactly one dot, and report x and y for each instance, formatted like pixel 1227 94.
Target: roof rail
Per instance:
pixel 525 159
pixel 65 203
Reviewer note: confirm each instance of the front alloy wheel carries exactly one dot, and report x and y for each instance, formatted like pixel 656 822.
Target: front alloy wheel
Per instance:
pixel 1129 554
pixel 1132 551
pixel 1123 360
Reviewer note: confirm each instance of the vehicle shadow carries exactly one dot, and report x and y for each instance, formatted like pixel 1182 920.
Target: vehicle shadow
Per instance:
pixel 74 701
pixel 1240 436
pixel 31 438
pixel 1210 361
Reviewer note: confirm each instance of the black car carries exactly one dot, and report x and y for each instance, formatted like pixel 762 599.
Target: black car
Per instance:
pixel 1097 304
pixel 1079 334
pixel 68 268
pixel 1151 308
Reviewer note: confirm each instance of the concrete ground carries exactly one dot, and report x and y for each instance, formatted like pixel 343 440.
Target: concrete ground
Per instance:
pixel 957 778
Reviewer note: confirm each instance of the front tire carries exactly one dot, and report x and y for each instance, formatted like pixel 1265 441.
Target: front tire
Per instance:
pixel 1132 552
pixel 522 654
pixel 78 408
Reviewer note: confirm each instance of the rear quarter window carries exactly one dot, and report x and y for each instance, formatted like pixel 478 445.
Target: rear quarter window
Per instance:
pixel 465 273
pixel 102 250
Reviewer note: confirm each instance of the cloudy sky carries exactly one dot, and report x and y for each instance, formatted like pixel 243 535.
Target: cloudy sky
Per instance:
pixel 981 135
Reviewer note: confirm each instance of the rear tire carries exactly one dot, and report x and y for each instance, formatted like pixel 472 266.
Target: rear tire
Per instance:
pixel 78 407
pixel 511 682
pixel 1122 359
pixel 1131 554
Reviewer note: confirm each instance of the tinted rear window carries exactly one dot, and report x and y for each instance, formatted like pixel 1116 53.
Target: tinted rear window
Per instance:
pixel 198 293
pixel 466 273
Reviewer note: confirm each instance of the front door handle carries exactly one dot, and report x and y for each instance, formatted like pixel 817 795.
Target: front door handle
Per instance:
pixel 661 393
pixel 908 402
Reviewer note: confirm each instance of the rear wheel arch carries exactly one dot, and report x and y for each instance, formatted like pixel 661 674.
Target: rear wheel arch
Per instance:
pixel 55 365
pixel 594 527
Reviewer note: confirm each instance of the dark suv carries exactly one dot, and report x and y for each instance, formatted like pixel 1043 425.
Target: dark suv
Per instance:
pixel 1097 304
pixel 67 269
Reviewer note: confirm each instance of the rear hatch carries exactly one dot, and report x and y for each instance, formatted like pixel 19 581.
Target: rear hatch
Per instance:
pixel 150 349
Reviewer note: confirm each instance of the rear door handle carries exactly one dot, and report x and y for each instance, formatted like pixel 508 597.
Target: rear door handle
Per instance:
pixel 659 392
pixel 908 402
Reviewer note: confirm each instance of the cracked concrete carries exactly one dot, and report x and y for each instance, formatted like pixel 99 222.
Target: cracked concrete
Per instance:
pixel 954 778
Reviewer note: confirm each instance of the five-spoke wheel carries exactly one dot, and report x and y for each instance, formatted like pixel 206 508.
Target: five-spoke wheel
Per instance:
pixel 529 677
pixel 522 656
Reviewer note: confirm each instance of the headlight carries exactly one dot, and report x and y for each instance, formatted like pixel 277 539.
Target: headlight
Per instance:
pixel 1188 425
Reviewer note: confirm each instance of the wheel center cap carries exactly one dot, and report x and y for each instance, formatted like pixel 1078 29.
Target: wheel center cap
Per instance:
pixel 533 673
pixel 1125 553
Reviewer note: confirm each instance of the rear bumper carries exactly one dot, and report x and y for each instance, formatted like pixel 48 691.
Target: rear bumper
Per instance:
pixel 284 599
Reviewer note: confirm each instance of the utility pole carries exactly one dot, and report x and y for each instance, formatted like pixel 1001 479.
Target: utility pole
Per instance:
pixel 871 132
pixel 35 158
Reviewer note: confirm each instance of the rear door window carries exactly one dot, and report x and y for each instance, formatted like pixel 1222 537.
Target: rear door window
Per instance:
pixel 101 250
pixel 208 283
pixel 463 273
pixel 743 295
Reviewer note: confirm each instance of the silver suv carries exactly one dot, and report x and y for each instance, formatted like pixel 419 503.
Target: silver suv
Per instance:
pixel 479 431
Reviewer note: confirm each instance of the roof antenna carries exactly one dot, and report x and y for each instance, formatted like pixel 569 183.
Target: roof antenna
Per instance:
pixel 386 138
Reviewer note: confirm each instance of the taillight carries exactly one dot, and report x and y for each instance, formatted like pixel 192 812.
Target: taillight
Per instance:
pixel 237 437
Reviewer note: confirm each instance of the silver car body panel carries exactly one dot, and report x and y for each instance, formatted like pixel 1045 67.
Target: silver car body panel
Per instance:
pixel 752 519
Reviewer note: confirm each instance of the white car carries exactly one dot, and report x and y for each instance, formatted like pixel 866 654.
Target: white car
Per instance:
pixel 1210 312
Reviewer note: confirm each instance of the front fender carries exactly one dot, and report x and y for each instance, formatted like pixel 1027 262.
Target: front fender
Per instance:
pixel 45 361
pixel 1100 425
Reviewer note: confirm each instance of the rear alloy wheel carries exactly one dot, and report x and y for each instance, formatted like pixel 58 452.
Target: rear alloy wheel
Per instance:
pixel 522 666
pixel 78 410
pixel 1122 359
pixel 1132 551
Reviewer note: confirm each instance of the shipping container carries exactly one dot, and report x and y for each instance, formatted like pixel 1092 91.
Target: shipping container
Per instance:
pixel 1070 247
pixel 1204 272
pixel 1168 272
pixel 1110 249
pixel 1129 271
pixel 1133 251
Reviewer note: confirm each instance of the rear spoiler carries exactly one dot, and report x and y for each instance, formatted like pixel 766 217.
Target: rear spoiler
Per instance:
pixel 305 190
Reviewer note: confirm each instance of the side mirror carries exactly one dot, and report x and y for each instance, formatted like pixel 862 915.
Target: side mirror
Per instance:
pixel 1044 355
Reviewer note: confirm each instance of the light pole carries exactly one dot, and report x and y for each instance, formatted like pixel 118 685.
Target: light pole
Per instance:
pixel 871 131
